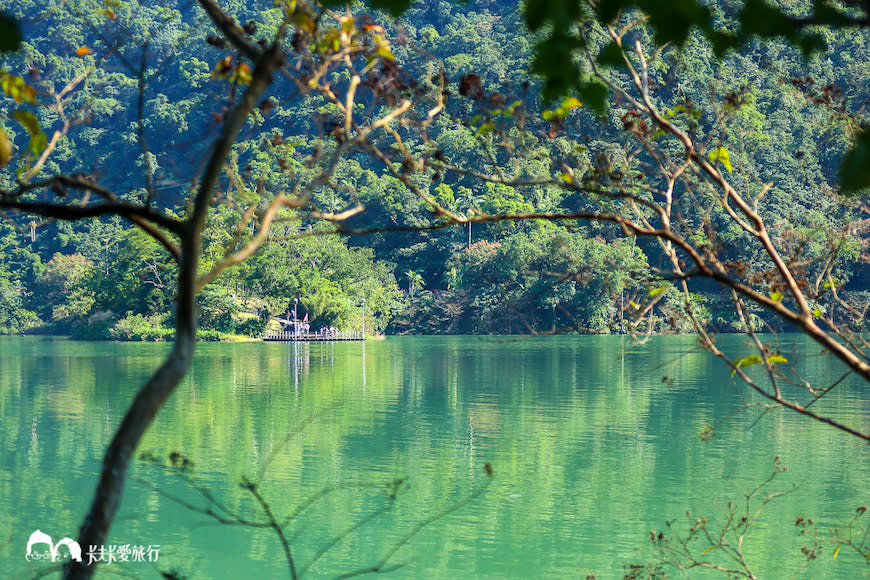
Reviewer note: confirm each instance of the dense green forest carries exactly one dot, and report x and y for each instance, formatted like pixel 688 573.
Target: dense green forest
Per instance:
pixel 174 167
pixel 121 74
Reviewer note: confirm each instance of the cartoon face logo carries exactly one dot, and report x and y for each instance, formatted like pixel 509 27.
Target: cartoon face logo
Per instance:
pixel 38 537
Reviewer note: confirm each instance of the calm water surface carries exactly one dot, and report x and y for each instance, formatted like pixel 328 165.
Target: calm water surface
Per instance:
pixel 594 442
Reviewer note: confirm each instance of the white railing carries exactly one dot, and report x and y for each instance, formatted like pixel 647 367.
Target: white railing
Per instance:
pixel 289 335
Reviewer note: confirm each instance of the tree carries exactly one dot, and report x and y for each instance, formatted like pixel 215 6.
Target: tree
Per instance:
pixel 561 29
pixel 798 24
pixel 65 279
pixel 14 317
pixel 21 266
pixel 415 280
pixel 674 177
pixel 468 202
pixel 341 58
pixel 669 174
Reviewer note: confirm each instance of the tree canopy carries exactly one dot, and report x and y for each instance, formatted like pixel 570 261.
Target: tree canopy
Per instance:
pixel 169 168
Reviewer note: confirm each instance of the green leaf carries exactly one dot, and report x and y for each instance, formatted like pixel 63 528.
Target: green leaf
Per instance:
pixel 655 292
pixel 766 21
pixel 5 148
pixel 761 19
pixel 776 358
pixel 817 312
pixel 673 20
pixel 385 53
pixel 611 55
pixel 595 96
pixel 17 88
pixel 10 33
pixel 28 120
pixel 557 12
pixel 855 169
pixel 509 112
pixel 487 127
pixel 37 143
pixel 691 111
pixel 776 296
pixel 722 42
pixel 608 11
pixel 721 155
pixel 38 140
pixel 548 115
pixel 824 13
pixel 553 56
pixel 745 362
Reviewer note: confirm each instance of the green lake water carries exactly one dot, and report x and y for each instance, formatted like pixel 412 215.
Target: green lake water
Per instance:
pixel 593 442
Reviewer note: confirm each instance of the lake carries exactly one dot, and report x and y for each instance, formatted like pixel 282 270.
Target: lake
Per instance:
pixel 593 443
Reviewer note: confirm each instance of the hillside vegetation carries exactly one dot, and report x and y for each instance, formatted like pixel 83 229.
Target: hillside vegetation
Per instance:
pixel 782 122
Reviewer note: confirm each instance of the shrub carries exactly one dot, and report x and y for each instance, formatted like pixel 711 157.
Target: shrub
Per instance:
pixel 143 328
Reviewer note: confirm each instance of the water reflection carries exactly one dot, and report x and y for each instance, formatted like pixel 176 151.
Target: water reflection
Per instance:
pixel 594 441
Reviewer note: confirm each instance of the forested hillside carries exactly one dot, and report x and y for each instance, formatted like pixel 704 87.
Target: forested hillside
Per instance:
pixel 139 90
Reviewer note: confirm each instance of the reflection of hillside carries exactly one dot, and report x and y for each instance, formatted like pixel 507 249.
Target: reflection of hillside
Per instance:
pixel 590 446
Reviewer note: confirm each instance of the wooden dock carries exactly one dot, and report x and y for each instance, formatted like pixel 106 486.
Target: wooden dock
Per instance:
pixel 290 336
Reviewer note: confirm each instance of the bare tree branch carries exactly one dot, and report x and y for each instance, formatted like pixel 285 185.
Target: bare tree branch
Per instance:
pixel 231 30
pixel 150 399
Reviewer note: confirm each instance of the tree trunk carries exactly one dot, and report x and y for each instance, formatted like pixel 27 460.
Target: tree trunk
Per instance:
pixel 160 386
pixel 140 415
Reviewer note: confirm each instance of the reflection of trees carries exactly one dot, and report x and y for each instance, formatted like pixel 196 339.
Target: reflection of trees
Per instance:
pixel 582 429
pixel 383 497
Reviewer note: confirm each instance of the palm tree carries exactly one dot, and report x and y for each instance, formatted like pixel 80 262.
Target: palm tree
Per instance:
pixel 333 203
pixel 415 280
pixel 468 202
